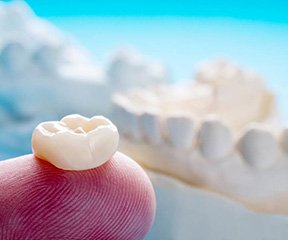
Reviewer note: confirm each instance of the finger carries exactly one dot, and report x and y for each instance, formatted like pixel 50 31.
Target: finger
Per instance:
pixel 40 201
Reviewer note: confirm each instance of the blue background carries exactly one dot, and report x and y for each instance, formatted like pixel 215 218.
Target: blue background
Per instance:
pixel 182 33
pixel 179 34
pixel 275 11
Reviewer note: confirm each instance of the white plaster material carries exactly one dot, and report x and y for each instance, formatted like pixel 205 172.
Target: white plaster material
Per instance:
pixel 208 149
pixel 258 147
pixel 215 139
pixel 14 58
pixel 129 69
pixel 180 132
pixel 284 140
pixel 150 127
pixel 185 212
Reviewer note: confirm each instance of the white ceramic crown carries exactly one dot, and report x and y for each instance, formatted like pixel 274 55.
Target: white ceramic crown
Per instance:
pixel 76 142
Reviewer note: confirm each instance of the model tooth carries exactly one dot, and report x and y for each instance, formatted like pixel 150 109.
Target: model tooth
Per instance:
pixel 119 114
pixel 150 127
pixel 14 57
pixel 127 117
pixel 258 147
pixel 132 122
pixel 129 68
pixel 48 57
pixel 285 140
pixel 180 132
pixel 76 142
pixel 128 122
pixel 215 139
pixel 217 71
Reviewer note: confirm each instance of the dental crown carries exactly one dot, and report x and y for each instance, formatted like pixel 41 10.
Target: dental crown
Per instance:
pixel 76 142
pixel 220 132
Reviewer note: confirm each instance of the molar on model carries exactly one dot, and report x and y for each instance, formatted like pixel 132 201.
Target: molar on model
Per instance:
pixel 128 68
pixel 14 58
pixel 150 126
pixel 181 133
pixel 120 114
pixel 47 58
pixel 76 142
pixel 284 140
pixel 258 147
pixel 126 117
pixel 215 139
pixel 132 123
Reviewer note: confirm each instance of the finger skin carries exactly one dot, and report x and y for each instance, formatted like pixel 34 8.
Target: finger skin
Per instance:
pixel 39 201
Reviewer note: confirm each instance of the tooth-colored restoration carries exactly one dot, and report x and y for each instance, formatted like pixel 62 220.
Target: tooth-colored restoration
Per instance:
pixel 215 139
pixel 110 198
pixel 76 142
pixel 207 135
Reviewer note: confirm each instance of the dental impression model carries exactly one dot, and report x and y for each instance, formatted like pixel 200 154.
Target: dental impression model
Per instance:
pixel 38 63
pixel 129 69
pixel 219 133
pixel 76 186
pixel 36 58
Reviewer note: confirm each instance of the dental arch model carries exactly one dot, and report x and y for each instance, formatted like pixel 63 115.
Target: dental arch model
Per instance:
pixel 220 133
pixel 38 62
pixel 103 195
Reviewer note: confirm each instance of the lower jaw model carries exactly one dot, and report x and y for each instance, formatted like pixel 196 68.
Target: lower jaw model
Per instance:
pixel 220 134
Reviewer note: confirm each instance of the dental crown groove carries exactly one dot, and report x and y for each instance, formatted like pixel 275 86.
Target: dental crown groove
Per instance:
pixel 76 142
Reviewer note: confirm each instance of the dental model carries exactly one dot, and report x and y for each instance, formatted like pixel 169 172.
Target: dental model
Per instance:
pixel 129 69
pixel 38 63
pixel 220 133
pixel 37 59
pixel 31 47
pixel 75 186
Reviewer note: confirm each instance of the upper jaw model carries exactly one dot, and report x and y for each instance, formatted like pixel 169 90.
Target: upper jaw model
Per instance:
pixel 220 133
pixel 44 74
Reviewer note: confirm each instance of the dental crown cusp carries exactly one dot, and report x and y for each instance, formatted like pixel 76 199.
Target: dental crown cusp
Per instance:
pixel 76 142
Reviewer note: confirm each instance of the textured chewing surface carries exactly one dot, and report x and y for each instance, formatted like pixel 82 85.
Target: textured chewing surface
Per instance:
pixel 39 201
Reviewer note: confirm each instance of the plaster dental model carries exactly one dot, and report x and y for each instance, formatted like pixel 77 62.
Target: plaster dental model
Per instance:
pixel 75 186
pixel 219 133
pixel 38 63
pixel 129 69
pixel 36 58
